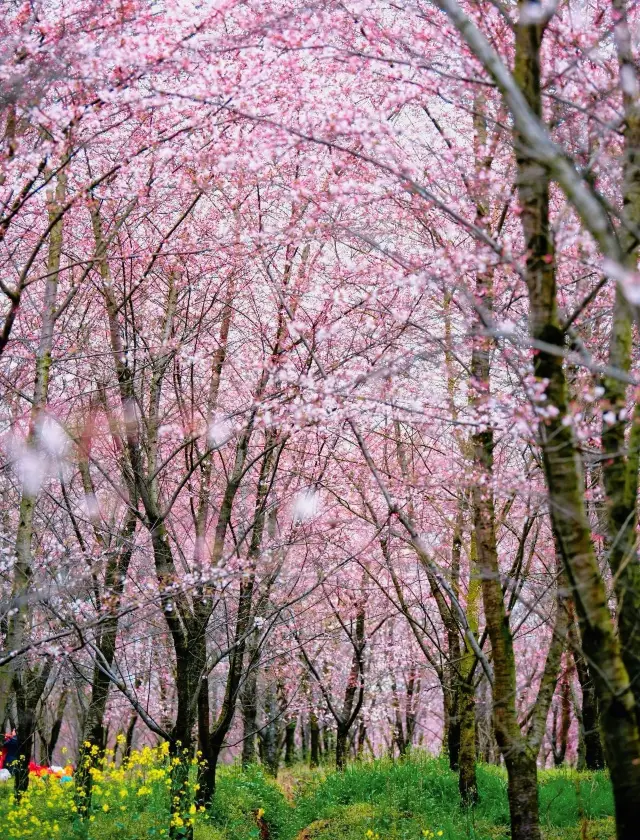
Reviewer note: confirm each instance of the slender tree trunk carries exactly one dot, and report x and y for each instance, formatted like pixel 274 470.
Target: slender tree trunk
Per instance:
pixel 314 731
pixel 590 718
pixel 327 738
pixel 17 674
pixel 270 738
pixel 519 759
pixel 290 743
pixel 519 751
pixel 249 706
pixel 467 781
pixel 562 720
pixel 128 738
pixel 94 738
pixel 362 740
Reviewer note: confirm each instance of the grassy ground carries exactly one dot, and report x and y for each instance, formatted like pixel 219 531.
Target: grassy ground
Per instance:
pixel 406 801
pixel 413 800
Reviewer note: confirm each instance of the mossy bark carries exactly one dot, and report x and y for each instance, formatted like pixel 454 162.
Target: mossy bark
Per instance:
pixel 563 465
pixel 621 434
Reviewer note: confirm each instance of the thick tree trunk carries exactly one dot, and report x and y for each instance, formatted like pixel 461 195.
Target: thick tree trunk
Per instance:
pixel 563 464
pixel 523 795
pixel 342 735
pixel 622 450
pixel 468 784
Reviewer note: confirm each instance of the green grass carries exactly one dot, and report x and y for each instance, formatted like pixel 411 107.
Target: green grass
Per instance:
pixel 239 795
pixel 403 800
pixel 382 800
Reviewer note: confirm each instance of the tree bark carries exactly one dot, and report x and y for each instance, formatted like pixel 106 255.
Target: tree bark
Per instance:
pixel 342 734
pixel 314 730
pixel 17 674
pixel 621 464
pixel 249 706
pixel 590 717
pixel 467 781
pixel 290 743
pixel 563 464
pixel 270 741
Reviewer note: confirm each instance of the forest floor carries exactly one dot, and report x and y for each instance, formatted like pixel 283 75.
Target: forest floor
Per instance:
pixel 416 799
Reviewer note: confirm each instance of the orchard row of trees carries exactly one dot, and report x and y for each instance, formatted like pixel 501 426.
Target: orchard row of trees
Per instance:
pixel 319 366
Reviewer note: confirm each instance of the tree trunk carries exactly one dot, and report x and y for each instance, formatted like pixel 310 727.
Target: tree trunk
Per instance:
pixel 621 463
pixel 519 759
pixel 249 706
pixel 17 671
pixel 25 733
pixel 49 744
pixel 327 740
pixel 270 738
pixel 27 693
pixel 590 719
pixel 468 784
pixel 563 463
pixel 290 743
pixel 128 738
pixel 452 723
pixel 94 735
pixel 362 740
pixel 523 795
pixel 341 747
pixel 467 781
pixel 562 721
pixel 314 731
